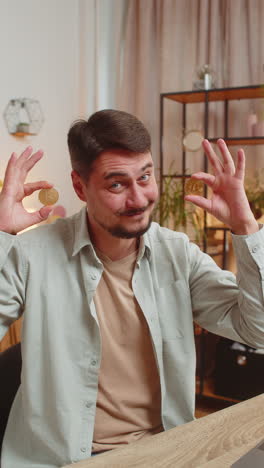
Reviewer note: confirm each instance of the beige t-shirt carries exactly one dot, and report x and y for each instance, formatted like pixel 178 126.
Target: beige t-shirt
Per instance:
pixel 129 397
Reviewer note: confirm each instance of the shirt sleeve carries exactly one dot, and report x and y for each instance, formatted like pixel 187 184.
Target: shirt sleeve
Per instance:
pixel 227 305
pixel 12 281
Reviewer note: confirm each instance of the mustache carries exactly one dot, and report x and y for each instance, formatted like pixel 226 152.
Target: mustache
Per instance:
pixel 135 211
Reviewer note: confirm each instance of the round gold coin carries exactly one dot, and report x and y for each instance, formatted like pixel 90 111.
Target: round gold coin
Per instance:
pixel 48 196
pixel 194 187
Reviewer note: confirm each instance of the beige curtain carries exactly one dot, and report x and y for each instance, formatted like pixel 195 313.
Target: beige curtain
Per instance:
pixel 101 28
pixel 164 43
pixel 140 73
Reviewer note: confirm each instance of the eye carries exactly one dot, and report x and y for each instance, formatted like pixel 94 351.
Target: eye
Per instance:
pixel 145 177
pixel 116 186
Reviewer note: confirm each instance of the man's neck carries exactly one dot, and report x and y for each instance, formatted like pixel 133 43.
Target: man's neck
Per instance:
pixel 118 249
pixel 114 248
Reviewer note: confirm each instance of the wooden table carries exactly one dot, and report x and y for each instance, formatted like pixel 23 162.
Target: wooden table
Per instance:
pixel 214 441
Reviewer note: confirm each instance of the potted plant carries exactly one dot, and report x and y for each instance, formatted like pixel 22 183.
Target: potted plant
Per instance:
pixel 206 78
pixel 174 212
pixel 254 187
pixel 23 127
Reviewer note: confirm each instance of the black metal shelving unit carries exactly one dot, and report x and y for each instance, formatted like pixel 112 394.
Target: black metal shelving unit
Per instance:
pixel 206 96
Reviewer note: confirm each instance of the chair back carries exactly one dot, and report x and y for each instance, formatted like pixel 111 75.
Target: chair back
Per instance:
pixel 10 371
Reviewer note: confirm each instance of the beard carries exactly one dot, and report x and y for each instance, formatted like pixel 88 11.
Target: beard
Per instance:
pixel 123 233
pixel 118 230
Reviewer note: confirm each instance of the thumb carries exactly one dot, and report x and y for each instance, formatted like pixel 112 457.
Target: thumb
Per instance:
pixel 45 211
pixel 41 215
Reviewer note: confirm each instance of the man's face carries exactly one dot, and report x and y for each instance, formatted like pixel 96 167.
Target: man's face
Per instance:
pixel 120 193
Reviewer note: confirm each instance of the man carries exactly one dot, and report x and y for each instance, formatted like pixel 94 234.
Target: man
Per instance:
pixel 109 298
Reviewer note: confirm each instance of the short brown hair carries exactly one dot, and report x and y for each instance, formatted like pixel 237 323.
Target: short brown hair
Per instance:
pixel 106 129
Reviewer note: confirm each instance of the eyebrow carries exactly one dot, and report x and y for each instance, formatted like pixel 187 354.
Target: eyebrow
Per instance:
pixel 110 175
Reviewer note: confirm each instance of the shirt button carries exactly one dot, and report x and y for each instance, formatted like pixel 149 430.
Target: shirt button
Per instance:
pixel 93 362
pixel 93 277
pixel 83 449
pixel 88 404
pixel 255 249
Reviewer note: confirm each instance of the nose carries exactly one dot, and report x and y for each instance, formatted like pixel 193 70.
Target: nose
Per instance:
pixel 136 198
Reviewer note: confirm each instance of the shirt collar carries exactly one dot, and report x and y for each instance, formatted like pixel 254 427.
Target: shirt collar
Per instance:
pixel 82 237
pixel 81 233
pixel 144 247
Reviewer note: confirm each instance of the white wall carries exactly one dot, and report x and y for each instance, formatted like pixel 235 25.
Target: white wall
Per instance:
pixel 65 54
pixel 39 57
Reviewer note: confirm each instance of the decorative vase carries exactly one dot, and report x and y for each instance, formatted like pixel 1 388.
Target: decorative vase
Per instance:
pixel 258 129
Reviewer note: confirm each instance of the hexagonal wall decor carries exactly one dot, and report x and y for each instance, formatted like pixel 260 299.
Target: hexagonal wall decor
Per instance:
pixel 23 116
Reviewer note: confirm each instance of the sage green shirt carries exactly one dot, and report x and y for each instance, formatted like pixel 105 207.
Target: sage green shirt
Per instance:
pixel 50 275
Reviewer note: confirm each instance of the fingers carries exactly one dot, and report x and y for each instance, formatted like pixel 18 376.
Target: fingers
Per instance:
pixel 202 202
pixel 228 162
pixel 10 164
pixel 16 161
pixel 29 163
pixel 241 164
pixel 24 156
pixel 208 179
pixel 227 165
pixel 33 186
pixel 41 215
pixel 18 167
pixel 45 211
pixel 212 157
pixel 25 161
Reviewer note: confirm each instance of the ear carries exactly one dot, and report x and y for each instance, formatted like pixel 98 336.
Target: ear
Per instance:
pixel 78 185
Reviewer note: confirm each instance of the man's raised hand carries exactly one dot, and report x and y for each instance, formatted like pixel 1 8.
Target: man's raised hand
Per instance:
pixel 228 202
pixel 13 216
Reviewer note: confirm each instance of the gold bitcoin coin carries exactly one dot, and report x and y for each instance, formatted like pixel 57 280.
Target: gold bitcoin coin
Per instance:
pixel 194 187
pixel 48 196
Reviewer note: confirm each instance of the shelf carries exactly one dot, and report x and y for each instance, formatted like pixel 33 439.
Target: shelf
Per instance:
pixel 243 141
pixel 218 94
pixel 22 134
pixel 217 228
pixel 208 391
pixel 177 176
pixel 217 248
